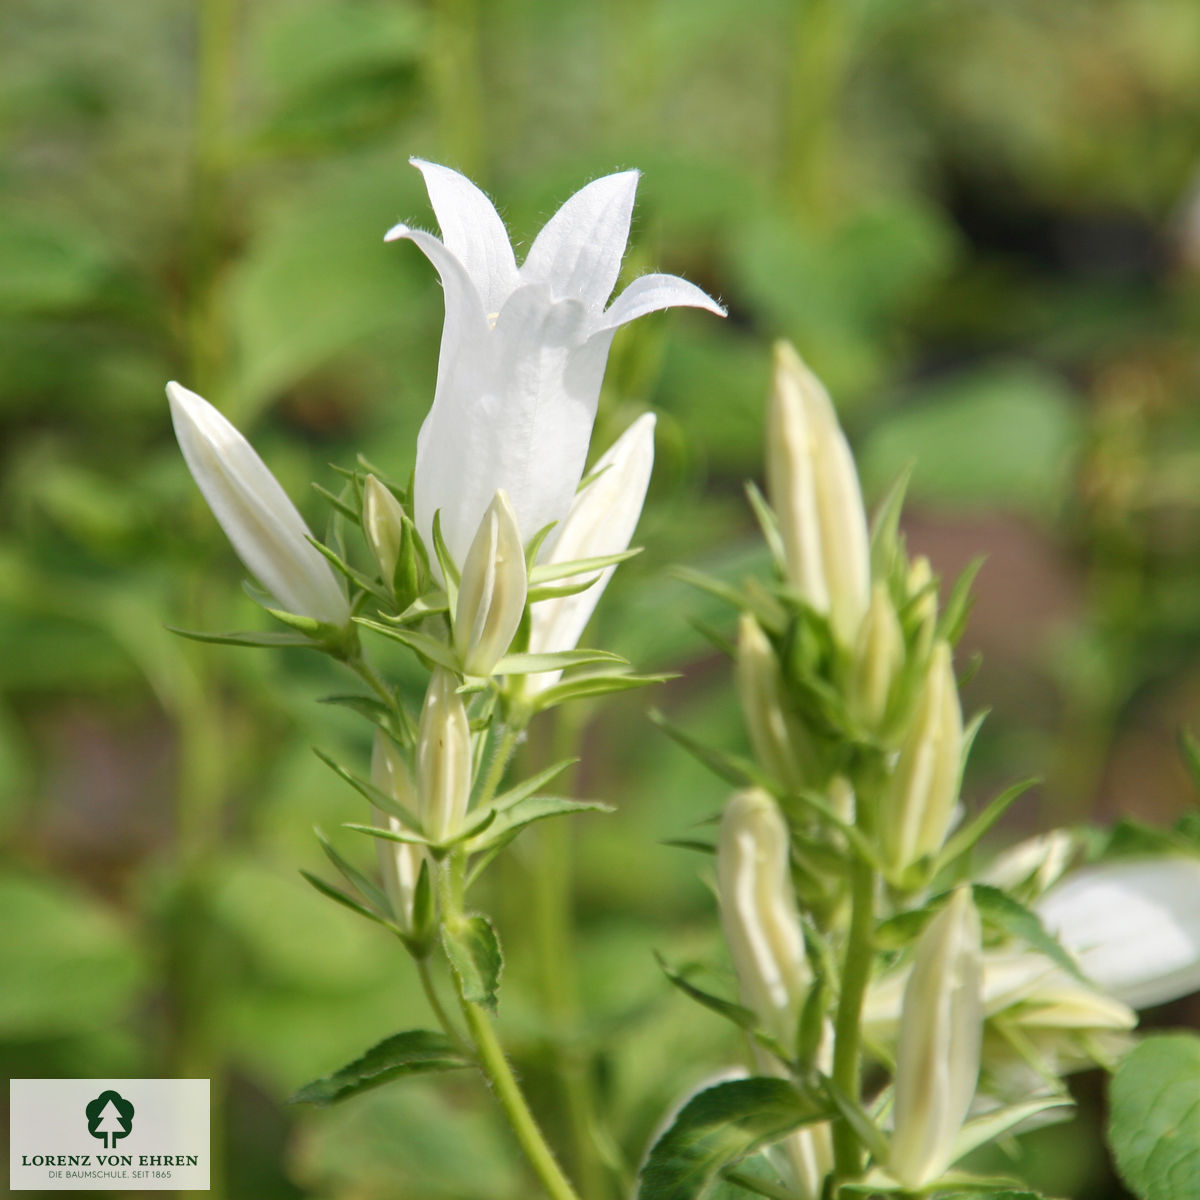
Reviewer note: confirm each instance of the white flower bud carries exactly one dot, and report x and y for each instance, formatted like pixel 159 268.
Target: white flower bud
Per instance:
pixel 758 911
pixel 491 596
pixel 1034 864
pixel 383 527
pixel 443 758
pixel 916 812
pixel 941 1030
pixel 399 862
pixel 813 488
pixel 267 532
pixel 775 739
pixel 878 657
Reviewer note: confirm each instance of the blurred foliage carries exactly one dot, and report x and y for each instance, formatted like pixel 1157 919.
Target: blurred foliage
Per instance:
pixel 980 222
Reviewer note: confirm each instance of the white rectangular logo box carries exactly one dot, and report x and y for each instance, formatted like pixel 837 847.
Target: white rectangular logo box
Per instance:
pixel 124 1135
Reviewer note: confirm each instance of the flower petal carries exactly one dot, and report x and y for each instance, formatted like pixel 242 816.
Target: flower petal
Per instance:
pixel 267 532
pixel 578 252
pixel 472 231
pixel 649 293
pixel 1133 925
pixel 601 521
pixel 523 428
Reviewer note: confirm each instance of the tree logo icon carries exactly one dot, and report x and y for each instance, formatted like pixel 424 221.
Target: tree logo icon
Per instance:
pixel 109 1117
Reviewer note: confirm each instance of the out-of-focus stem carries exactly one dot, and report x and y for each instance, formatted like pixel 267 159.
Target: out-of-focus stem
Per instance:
pixel 454 66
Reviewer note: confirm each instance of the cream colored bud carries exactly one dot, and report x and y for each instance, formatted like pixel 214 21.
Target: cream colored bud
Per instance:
pixel 813 488
pixel 941 1032
pixel 1034 864
pixel 775 739
pixel 399 862
pixel 878 658
pixel 491 596
pixel 383 527
pixel 916 812
pixel 758 911
pixel 443 758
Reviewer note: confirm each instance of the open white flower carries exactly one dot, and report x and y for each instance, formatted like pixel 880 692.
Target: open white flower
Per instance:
pixel 601 521
pixel 1133 925
pixel 267 532
pixel 523 351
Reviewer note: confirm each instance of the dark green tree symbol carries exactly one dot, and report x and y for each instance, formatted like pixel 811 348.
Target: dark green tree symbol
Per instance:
pixel 109 1117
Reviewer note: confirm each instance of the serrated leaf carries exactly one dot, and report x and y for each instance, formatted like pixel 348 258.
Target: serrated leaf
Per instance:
pixel 509 822
pixel 718 1128
pixel 559 660
pixel 474 952
pixel 1154 1117
pixel 417 1051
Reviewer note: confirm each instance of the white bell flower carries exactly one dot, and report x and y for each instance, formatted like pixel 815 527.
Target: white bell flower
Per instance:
pixel 523 351
pixel 1133 926
pixel 267 532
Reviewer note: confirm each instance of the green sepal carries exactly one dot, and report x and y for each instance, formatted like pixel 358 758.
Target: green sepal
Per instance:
pixel 739 1014
pixel 377 713
pixel 374 895
pixel 508 823
pixel 1002 912
pixel 266 639
pixel 995 1124
pixel 427 647
pixel 450 574
pixel 424 914
pixel 534 783
pixel 415 1052
pixel 474 952
pixel 738 771
pixel 689 844
pixel 550 591
pixel 769 524
pixel 535 545
pixel 966 838
pixel 338 503
pixel 549 572
pixel 405 837
pixel 584 687
pixel 719 1127
pixel 559 660
pixel 381 799
pixel 412 565
pixel 953 620
pixel 340 897
pixel 885 527
pixel 339 564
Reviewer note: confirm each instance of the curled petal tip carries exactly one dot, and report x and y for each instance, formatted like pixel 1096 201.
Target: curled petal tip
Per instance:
pixel 397 232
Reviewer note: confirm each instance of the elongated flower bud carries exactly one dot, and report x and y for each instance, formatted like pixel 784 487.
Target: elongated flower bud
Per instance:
pixel 878 657
pixel 391 536
pixel 601 521
pixel 941 1030
pixel 916 812
pixel 774 738
pixel 267 532
pixel 813 488
pixel 443 758
pixel 399 862
pixel 491 597
pixel 758 911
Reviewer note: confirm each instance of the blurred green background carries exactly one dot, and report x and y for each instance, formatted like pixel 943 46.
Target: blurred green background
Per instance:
pixel 979 221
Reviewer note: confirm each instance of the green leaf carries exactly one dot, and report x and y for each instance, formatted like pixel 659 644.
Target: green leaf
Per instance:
pixel 347 901
pixel 738 771
pixel 376 712
pixel 527 787
pixel 953 620
pixel 532 664
pixel 415 1052
pixel 374 895
pixel 718 1128
pixel 966 838
pixel 405 837
pixel 1001 911
pixel 509 822
pixel 1154 1118
pixel 474 952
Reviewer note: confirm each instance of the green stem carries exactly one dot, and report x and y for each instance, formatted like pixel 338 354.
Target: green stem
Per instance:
pixel 500 760
pixel 490 1055
pixel 847 1044
pixel 435 1003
